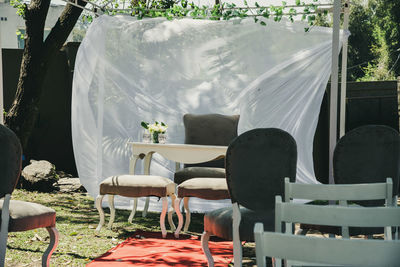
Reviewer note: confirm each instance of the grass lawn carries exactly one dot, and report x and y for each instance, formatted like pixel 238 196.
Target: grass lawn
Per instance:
pixel 76 222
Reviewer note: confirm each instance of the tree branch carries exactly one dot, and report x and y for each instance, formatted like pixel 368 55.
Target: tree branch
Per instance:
pixel 61 30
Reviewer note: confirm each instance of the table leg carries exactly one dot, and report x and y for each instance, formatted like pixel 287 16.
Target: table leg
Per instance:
pixel 132 166
pixel 147 162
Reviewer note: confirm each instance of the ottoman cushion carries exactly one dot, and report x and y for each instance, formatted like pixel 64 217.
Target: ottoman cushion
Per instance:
pixel 219 222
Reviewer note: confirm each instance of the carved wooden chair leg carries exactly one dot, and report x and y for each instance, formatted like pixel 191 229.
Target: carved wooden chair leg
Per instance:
pixel 237 246
pixel 180 216
pixel 54 236
pixel 99 200
pixel 171 212
pixel 162 216
pixel 204 245
pixel 112 211
pixel 134 208
pixel 187 210
pixel 5 217
pixel 146 207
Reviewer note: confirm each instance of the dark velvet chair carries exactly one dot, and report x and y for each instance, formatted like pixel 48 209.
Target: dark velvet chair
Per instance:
pixel 367 154
pixel 19 215
pixel 204 180
pixel 257 162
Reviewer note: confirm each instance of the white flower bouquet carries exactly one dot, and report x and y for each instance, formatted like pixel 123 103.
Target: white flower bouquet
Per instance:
pixel 157 131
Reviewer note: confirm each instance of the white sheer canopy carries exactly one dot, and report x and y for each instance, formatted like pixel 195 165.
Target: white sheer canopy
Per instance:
pixel 130 70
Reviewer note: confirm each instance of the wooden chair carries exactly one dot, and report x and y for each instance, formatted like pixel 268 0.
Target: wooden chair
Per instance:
pixel 204 180
pixel 347 252
pixel 20 215
pixel 297 250
pixel 256 163
pixel 343 194
pixel 135 186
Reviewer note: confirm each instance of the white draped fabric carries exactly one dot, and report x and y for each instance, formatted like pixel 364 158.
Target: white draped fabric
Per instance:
pixel 130 70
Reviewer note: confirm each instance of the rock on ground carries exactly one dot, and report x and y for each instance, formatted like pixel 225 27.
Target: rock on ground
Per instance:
pixel 39 175
pixel 68 185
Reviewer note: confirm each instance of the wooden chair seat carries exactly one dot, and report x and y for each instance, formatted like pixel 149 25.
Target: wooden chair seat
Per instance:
pixel 205 188
pixel 26 216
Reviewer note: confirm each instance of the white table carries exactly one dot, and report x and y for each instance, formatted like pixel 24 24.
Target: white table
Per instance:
pixel 179 153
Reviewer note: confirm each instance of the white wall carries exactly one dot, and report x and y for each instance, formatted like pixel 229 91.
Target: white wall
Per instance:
pixel 8 28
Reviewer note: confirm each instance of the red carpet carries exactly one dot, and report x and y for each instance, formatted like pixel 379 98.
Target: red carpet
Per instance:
pixel 152 250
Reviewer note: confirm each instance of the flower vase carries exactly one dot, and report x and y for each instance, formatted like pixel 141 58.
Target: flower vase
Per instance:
pixel 155 137
pixel 162 137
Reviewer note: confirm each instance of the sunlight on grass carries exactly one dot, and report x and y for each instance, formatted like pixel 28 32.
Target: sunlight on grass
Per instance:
pixel 77 219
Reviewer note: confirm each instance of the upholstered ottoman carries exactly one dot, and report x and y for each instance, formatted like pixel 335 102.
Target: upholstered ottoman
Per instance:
pixel 135 186
pixel 204 188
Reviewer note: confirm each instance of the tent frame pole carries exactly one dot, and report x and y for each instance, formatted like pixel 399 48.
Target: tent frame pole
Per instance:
pixel 1 82
pixel 334 86
pixel 343 72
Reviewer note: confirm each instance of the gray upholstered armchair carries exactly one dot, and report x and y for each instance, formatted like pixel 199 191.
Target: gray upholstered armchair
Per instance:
pixel 204 180
pixel 257 163
pixel 19 215
pixel 207 129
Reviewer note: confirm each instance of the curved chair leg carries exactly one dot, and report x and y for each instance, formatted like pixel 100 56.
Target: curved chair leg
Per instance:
pixel 5 217
pixel 99 200
pixel 237 246
pixel 187 211
pixel 146 207
pixel 180 217
pixel 52 246
pixel 204 246
pixel 162 216
pixel 171 212
pixel 134 208
pixel 112 211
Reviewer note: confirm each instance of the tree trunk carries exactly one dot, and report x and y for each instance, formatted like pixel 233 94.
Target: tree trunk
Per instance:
pixel 37 54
